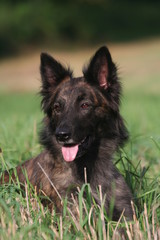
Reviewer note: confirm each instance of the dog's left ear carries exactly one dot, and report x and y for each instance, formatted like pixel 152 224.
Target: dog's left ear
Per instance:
pixel 100 68
pixel 102 72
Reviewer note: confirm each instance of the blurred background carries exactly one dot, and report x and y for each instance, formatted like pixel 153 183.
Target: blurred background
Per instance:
pixel 71 31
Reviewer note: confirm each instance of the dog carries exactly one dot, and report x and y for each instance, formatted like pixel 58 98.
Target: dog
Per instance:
pixel 82 129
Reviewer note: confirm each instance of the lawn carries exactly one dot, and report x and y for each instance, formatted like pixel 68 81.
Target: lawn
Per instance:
pixel 23 217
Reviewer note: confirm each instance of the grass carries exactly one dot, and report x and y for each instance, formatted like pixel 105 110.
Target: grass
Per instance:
pixel 21 214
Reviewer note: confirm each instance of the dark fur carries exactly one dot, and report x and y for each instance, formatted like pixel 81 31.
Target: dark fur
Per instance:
pixel 82 111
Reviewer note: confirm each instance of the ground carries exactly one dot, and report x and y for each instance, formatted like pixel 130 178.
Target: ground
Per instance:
pixel 137 62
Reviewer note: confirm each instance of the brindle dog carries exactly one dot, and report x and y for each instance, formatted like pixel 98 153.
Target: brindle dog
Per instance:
pixel 83 128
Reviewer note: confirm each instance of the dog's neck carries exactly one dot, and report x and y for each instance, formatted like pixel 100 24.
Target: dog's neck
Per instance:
pixel 88 164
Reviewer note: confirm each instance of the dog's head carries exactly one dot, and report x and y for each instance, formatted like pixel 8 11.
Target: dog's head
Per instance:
pixel 81 110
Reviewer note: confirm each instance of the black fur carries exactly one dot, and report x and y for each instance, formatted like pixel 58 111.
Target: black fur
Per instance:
pixel 82 129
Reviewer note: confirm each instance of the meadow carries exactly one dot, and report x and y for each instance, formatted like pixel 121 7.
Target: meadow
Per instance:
pixel 21 214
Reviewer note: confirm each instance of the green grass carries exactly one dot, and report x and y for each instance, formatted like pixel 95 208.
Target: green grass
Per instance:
pixel 22 216
pixel 19 125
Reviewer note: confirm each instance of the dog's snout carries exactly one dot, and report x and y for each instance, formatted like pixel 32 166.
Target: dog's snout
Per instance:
pixel 63 136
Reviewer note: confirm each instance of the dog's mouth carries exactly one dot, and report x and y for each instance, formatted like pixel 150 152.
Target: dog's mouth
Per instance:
pixel 72 151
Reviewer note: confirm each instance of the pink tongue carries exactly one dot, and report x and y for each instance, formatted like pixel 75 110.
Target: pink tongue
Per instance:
pixel 69 153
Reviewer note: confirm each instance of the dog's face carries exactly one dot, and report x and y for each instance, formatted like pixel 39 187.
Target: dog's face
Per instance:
pixel 77 108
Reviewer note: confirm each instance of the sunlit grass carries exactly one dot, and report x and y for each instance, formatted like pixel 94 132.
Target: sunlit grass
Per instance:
pixel 21 214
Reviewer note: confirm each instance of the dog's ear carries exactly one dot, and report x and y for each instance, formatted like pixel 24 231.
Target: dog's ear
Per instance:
pixel 100 68
pixel 52 72
pixel 102 72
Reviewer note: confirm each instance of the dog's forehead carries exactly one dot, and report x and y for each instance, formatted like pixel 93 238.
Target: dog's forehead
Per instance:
pixel 74 86
pixel 73 89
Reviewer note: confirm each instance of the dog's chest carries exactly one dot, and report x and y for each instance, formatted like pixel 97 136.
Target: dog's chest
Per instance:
pixel 62 179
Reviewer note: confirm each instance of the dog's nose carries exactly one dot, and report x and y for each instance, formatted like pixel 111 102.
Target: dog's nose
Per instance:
pixel 63 136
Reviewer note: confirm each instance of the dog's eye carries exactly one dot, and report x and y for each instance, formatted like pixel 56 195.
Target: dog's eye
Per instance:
pixel 57 107
pixel 84 105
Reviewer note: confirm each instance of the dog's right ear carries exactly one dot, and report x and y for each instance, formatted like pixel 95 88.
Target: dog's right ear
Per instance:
pixel 52 72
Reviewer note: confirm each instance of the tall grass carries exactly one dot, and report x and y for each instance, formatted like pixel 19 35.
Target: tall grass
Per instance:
pixel 22 215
